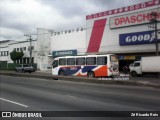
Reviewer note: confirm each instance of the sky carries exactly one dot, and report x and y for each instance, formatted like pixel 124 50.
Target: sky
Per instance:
pixel 19 17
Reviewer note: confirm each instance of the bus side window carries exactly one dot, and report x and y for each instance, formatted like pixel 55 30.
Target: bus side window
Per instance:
pixel 71 61
pixel 91 61
pixel 55 63
pixel 80 61
pixel 62 61
pixel 101 60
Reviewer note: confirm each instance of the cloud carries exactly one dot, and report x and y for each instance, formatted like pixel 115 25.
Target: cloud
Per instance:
pixel 25 16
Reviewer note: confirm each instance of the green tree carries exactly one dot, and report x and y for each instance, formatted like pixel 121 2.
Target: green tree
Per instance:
pixel 15 55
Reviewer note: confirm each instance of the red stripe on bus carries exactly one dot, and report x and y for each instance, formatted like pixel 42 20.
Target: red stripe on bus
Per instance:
pixel 96 35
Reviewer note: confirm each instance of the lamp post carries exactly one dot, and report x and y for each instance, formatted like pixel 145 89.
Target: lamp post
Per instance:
pixel 30 49
pixel 154 21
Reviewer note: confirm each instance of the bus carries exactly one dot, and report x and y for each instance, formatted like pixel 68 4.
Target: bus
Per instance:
pixel 87 65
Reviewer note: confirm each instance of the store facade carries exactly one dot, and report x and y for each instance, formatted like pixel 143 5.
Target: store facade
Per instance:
pixel 124 31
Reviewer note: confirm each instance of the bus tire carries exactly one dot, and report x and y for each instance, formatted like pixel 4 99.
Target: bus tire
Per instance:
pixel 91 74
pixel 61 73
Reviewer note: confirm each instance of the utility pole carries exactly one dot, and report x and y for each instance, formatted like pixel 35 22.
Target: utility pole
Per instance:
pixel 154 21
pixel 30 48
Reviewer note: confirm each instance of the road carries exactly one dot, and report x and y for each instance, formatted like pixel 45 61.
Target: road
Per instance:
pixel 33 94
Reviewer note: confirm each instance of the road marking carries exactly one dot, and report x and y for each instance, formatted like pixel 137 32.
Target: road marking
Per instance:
pixel 71 96
pixel 13 102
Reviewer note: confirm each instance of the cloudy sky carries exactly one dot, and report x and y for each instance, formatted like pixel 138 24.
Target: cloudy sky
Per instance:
pixel 18 17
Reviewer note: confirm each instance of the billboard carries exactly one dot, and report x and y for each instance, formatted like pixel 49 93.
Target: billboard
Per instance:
pixel 137 18
pixel 145 37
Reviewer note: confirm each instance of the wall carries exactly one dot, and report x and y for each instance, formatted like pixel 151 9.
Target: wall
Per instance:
pixel 43 48
pixel 4 47
pixel 70 41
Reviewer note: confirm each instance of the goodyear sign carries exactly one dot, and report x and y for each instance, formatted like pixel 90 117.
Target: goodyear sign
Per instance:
pixel 146 37
pixel 64 53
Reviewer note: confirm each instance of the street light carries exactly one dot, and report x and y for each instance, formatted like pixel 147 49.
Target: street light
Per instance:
pixel 30 48
pixel 154 21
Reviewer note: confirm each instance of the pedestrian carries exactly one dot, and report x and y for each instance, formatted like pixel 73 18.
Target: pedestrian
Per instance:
pixel 125 69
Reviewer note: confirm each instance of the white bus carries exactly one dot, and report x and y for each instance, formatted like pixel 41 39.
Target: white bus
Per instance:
pixel 87 65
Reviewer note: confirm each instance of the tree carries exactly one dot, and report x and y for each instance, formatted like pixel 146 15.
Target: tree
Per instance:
pixel 15 55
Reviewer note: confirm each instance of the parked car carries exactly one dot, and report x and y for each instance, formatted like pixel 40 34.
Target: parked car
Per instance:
pixel 25 68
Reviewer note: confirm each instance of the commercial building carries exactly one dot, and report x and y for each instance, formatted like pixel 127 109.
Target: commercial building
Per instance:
pixel 123 31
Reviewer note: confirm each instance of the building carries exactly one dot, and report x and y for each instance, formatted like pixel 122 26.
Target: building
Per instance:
pixel 4 52
pixel 40 50
pixel 123 31
pixel 69 42
pixel 23 46
pixel 8 46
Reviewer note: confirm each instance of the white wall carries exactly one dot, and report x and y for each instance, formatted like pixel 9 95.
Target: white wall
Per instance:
pixel 4 47
pixel 69 41
pixel 43 48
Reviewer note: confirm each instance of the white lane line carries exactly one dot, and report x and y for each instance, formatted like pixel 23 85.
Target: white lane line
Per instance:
pixel 71 96
pixel 13 102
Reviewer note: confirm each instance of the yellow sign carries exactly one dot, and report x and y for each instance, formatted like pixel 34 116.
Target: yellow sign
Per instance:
pixel 129 57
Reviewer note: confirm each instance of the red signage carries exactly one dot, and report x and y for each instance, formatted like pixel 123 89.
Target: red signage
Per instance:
pixel 133 19
pixel 124 9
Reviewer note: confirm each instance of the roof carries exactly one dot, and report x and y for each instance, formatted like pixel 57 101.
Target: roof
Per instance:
pixel 5 41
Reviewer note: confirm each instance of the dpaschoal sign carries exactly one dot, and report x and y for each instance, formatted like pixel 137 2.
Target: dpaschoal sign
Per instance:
pixel 64 53
pixel 146 37
pixel 137 18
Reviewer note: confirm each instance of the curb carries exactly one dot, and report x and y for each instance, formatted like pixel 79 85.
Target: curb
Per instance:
pixel 85 79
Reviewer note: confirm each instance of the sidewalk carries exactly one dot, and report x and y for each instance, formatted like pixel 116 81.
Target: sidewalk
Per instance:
pixel 146 78
pixel 143 79
pixel 133 81
pixel 47 72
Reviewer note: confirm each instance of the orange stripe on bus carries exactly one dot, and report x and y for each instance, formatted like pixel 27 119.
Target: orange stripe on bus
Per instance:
pixel 102 71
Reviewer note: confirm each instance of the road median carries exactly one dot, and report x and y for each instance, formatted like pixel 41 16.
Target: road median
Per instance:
pixel 112 81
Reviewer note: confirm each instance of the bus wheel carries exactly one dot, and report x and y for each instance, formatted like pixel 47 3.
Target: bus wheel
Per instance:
pixel 61 73
pixel 91 74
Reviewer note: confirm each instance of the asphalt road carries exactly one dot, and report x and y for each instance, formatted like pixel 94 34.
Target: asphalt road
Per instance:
pixel 33 94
